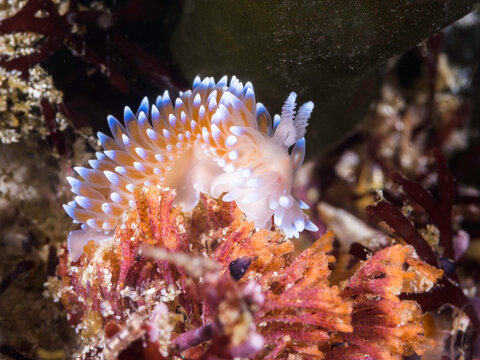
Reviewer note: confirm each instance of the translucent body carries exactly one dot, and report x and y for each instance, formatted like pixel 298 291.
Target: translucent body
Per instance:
pixel 213 139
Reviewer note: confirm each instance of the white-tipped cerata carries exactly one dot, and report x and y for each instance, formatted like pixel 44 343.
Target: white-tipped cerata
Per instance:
pixel 214 139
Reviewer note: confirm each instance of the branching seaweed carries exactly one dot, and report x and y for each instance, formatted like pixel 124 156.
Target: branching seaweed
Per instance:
pixel 439 212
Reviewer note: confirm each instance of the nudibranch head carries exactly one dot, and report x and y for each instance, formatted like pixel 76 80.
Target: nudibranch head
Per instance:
pixel 214 139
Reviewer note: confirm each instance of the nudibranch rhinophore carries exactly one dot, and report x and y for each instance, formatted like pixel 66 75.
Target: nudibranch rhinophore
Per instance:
pixel 214 139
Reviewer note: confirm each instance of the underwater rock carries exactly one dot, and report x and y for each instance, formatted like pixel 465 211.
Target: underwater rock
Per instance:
pixel 329 49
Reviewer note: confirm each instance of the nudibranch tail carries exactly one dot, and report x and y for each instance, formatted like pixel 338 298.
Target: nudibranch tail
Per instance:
pixel 214 139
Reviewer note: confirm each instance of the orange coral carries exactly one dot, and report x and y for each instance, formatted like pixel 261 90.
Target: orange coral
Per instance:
pixel 385 327
pixel 301 308
pixel 255 294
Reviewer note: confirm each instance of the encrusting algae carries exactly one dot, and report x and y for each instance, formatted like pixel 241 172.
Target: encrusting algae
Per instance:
pixel 220 287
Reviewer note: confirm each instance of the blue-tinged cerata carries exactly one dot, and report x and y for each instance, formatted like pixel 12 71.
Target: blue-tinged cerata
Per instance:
pixel 214 139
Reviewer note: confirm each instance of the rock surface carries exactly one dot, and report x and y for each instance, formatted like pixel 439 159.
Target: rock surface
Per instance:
pixel 328 51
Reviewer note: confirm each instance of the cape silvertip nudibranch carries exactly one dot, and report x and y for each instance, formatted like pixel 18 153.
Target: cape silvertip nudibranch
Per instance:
pixel 214 139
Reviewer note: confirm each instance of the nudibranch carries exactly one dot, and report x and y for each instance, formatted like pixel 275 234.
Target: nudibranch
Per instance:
pixel 215 139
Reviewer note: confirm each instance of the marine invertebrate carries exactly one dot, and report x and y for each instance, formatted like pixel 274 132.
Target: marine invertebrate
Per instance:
pixel 440 250
pixel 114 281
pixel 384 326
pixel 215 139
pixel 281 304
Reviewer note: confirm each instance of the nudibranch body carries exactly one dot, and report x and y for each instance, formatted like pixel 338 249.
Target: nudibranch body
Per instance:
pixel 214 139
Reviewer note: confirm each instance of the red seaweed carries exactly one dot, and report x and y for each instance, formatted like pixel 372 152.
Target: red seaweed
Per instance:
pixel 402 226
pixel 448 291
pixel 58 30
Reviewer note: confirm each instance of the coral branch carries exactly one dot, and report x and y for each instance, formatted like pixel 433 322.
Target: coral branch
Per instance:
pixel 195 265
pixel 385 326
